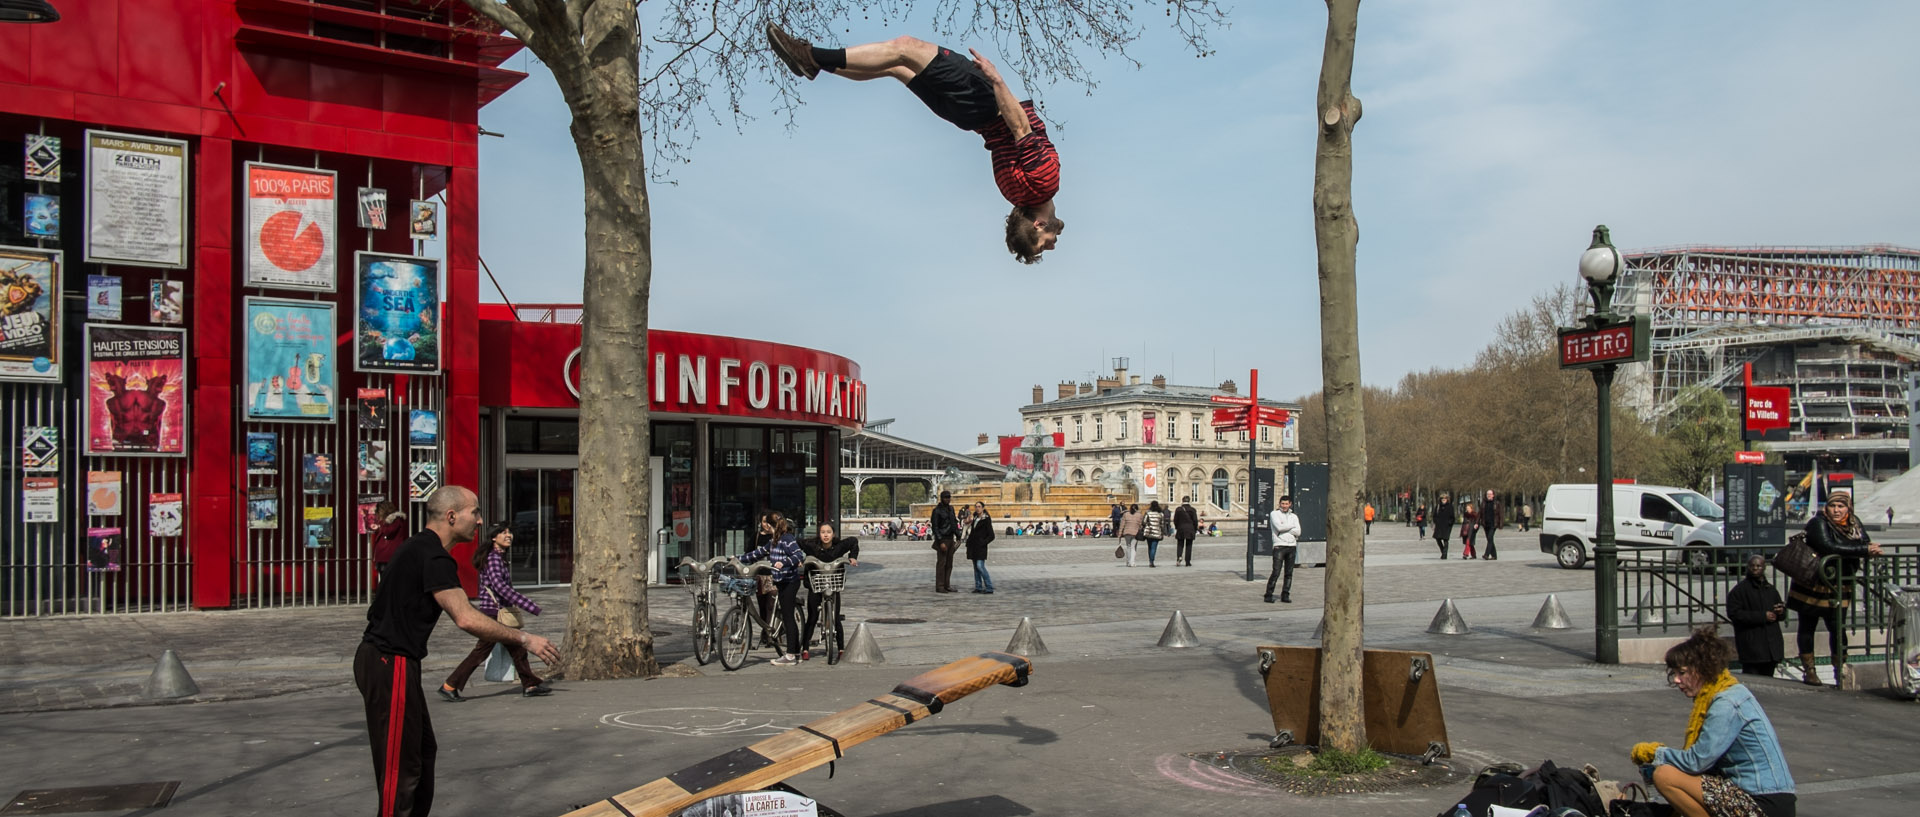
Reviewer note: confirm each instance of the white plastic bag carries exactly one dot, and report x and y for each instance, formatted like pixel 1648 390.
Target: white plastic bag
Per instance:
pixel 499 666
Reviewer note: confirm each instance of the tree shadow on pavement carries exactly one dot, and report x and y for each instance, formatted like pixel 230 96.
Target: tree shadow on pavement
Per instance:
pixel 992 805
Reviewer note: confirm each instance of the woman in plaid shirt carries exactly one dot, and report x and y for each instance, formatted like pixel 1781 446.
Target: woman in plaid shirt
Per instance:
pixel 784 550
pixel 496 588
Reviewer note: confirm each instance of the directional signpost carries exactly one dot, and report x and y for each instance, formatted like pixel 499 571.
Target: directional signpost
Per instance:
pixel 1246 414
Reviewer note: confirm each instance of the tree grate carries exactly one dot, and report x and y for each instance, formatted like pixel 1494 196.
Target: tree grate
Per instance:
pixel 124 797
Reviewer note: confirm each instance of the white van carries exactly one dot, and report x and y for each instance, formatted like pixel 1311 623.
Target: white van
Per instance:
pixel 1644 516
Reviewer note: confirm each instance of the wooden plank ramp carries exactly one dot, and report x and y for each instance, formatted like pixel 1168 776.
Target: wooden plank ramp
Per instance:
pixel 755 767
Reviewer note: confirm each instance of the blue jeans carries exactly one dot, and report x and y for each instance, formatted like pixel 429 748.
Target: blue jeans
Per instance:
pixel 1153 547
pixel 982 581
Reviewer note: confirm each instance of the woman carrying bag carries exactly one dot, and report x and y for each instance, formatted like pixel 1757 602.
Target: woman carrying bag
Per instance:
pixel 1153 528
pixel 497 599
pixel 1835 531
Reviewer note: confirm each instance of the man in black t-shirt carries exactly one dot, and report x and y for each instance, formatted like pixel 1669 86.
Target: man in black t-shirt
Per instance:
pixel 420 583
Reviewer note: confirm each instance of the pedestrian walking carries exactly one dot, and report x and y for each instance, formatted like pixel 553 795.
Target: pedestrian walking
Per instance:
pixel 979 535
pixel 1526 516
pixel 1186 525
pixel 422 582
pixel 1367 515
pixel 1153 528
pixel 496 596
pixel 1469 526
pixel 1889 516
pixel 1113 519
pixel 1755 608
pixel 1443 523
pixel 1286 545
pixel 1420 519
pixel 946 536
pixel 1130 523
pixel 387 537
pixel 1492 516
pixel 972 96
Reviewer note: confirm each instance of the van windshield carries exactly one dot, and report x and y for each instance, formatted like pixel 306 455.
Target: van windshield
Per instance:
pixel 1698 505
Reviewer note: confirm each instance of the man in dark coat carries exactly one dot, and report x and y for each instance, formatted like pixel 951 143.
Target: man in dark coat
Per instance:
pixel 1756 609
pixel 946 535
pixel 1186 525
pixel 1491 518
pixel 1443 523
pixel 1114 518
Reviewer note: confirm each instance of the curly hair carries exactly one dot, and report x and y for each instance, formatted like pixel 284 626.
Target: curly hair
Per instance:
pixel 1023 238
pixel 1703 652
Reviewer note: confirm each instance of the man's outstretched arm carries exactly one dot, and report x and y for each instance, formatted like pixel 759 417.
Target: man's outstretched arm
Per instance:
pixel 1003 98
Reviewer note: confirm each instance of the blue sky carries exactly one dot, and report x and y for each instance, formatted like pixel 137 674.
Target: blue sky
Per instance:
pixel 1495 136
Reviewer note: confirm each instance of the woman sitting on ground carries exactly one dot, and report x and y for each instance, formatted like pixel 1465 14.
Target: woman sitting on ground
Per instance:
pixel 1730 765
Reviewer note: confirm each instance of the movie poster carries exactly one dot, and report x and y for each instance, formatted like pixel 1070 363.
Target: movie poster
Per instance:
pixel 104 548
pixel 423 429
pixel 103 493
pixel 167 302
pixel 40 499
pixel 43 158
pixel 136 390
pixel 40 449
pixel 367 510
pixel 373 409
pixel 423 220
pixel 373 460
pixel 290 363
pixel 42 216
pixel 166 514
pixel 103 298
pixel 373 208
pixel 319 527
pixel 396 316
pixel 316 474
pixel 292 230
pixel 263 453
pixel 29 314
pixel 136 200
pixel 422 479
pixel 263 509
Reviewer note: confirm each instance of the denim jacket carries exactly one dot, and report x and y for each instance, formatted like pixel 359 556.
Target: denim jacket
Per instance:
pixel 1736 741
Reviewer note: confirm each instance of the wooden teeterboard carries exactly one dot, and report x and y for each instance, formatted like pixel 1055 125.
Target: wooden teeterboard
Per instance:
pixel 1402 715
pixel 777 758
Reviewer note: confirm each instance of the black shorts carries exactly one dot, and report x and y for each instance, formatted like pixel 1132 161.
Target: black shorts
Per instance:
pixel 957 91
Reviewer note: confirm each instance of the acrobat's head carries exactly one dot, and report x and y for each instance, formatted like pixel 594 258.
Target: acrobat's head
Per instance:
pixel 1032 231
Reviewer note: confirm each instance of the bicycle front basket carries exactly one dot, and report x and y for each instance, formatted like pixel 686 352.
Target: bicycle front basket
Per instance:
pixel 827 581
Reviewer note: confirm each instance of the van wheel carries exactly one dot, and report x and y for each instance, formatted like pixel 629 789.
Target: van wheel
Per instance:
pixel 1570 553
pixel 1699 556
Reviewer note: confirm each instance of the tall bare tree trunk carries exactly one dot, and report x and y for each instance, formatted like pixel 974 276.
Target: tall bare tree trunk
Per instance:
pixel 1336 234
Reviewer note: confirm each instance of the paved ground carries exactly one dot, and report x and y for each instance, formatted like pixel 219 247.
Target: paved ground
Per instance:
pixel 1105 726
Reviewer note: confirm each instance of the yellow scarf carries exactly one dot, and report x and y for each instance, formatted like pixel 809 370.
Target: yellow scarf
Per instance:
pixel 1702 700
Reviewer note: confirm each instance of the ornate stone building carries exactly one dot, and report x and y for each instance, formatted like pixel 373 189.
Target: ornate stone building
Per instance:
pixel 1116 427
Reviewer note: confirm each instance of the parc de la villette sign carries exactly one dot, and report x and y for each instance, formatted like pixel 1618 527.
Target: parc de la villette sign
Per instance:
pixel 1627 340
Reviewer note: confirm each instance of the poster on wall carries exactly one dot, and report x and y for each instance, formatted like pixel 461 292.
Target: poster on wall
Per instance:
pixel 422 479
pixel 373 409
pixel 423 220
pixel 292 229
pixel 103 298
pixel 166 514
pixel 41 216
pixel 40 449
pixel 40 499
pixel 29 314
pixel 103 493
pixel 290 364
pixel 263 509
pixel 263 453
pixel 104 548
pixel 423 429
pixel 319 527
pixel 136 390
pixel 43 158
pixel 373 208
pixel 167 302
pixel 367 511
pixel 316 474
pixel 396 313
pixel 373 460
pixel 136 200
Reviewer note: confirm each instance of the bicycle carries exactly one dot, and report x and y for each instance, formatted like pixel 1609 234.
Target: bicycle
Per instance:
pixel 735 635
pixel 826 579
pixel 701 580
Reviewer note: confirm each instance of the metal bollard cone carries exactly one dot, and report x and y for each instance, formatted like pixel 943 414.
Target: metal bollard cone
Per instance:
pixel 1648 612
pixel 1320 630
pixel 1552 616
pixel 169 679
pixel 1448 621
pixel 1026 640
pixel 862 649
pixel 1178 632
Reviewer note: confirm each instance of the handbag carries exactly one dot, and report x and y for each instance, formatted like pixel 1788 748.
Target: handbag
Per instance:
pixel 1119 551
pixel 1637 803
pixel 508 616
pixel 499 665
pixel 1797 560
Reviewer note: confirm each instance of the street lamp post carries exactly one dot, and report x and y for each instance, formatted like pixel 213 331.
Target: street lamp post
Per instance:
pixel 1601 265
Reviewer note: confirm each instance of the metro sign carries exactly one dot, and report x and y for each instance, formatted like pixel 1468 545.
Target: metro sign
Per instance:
pixel 1626 342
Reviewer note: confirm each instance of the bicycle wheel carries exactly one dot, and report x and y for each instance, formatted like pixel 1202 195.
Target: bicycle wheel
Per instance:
pixel 830 629
pixel 735 636
pixel 703 635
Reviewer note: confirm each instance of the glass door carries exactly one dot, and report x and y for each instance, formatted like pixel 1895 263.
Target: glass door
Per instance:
pixel 540 511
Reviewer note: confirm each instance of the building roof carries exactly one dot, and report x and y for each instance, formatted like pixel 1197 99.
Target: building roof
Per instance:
pixel 1144 392
pixel 1710 249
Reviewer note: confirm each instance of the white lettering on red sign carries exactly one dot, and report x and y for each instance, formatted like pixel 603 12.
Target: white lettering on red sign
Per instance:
pixel 1608 344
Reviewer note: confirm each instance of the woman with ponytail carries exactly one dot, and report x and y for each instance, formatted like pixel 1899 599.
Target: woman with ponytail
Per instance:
pixel 1730 764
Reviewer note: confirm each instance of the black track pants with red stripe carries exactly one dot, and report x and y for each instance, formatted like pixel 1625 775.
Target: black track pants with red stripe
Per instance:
pixel 399 729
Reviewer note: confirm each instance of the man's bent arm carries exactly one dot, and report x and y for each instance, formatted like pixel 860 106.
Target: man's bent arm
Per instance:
pixel 1003 99
pixel 480 625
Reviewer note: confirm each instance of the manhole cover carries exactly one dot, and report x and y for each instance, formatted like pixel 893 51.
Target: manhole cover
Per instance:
pixel 896 621
pixel 123 797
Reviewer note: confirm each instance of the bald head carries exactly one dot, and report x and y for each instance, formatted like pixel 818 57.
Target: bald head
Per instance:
pixel 453 512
